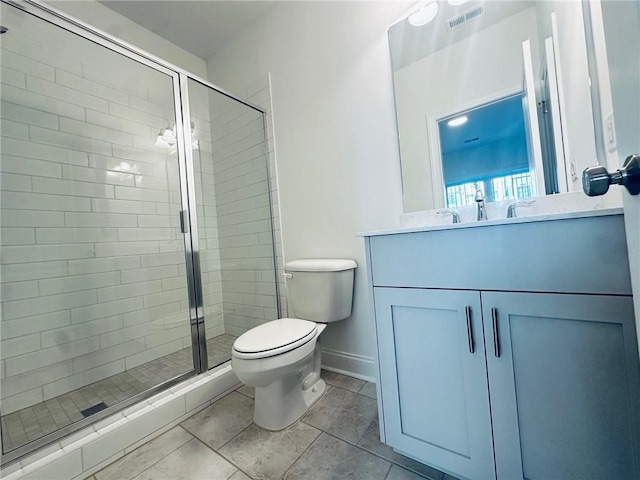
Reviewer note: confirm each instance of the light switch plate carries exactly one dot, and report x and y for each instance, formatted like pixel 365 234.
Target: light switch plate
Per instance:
pixel 610 132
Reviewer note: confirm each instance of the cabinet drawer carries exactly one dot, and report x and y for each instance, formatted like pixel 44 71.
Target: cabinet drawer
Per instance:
pixel 581 255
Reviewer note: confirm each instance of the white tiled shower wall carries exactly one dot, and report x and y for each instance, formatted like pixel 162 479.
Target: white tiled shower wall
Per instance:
pixel 92 262
pixel 206 210
pixel 259 93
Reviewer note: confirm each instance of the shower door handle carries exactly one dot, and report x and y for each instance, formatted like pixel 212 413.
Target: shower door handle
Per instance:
pixel 184 227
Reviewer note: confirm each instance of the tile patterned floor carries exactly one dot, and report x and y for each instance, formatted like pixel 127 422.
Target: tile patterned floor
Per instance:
pixel 336 439
pixel 29 424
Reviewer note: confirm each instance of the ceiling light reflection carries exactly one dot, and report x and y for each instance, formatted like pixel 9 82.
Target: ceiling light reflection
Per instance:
pixel 424 15
pixel 456 122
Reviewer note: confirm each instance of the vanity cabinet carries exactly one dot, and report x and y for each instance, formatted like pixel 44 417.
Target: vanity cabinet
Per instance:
pixel 564 385
pixel 434 385
pixel 484 381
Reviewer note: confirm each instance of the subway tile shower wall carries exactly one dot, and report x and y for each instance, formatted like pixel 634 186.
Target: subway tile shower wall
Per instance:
pixel 259 93
pixel 206 213
pixel 92 262
pixel 243 179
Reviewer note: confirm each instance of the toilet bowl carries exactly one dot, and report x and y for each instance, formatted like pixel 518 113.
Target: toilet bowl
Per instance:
pixel 281 358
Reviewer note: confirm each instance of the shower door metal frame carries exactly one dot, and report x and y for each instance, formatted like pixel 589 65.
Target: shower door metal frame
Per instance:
pixel 179 78
pixel 193 217
pixel 196 304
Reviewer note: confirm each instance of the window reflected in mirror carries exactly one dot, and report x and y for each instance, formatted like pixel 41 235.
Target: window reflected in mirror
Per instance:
pixel 485 148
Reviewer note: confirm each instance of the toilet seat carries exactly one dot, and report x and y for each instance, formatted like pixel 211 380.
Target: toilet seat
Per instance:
pixel 274 338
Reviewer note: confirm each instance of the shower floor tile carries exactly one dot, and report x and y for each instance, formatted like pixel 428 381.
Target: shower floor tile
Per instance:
pixel 24 426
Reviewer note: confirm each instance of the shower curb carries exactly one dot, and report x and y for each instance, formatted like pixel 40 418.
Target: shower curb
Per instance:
pixel 86 452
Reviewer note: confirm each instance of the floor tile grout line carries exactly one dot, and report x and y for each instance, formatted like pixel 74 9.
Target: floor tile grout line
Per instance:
pixel 305 450
pixel 242 393
pixel 204 441
pixel 354 444
pixel 217 451
pixel 386 477
pixel 392 462
pixel 346 390
pixel 143 445
pixel 364 450
pixel 222 456
pixel 361 388
pixel 247 427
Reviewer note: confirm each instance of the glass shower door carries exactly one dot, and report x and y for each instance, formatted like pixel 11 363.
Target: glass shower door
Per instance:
pixel 95 308
pixel 235 243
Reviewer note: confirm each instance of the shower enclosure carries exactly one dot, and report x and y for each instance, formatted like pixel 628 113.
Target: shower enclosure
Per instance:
pixel 136 226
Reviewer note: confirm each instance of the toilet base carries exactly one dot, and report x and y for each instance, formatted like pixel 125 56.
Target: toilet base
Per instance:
pixel 283 402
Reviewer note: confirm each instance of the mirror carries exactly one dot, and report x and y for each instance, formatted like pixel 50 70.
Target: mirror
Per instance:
pixel 491 96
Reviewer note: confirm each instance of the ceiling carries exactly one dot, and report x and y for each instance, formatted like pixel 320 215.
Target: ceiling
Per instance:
pixel 493 122
pixel 409 44
pixel 200 27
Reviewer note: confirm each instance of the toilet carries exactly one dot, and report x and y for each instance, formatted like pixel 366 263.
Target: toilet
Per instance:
pixel 281 358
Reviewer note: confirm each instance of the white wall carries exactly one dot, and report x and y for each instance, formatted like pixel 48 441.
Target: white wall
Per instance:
pixel 334 121
pixel 110 22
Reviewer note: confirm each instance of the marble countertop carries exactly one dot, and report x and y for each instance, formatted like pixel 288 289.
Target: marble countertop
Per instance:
pixel 499 221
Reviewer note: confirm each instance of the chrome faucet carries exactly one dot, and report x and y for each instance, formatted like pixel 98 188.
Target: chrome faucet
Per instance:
pixel 482 211
pixel 447 211
pixel 511 211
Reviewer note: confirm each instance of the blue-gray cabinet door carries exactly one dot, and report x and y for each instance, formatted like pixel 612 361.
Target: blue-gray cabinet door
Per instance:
pixel 564 380
pixel 434 388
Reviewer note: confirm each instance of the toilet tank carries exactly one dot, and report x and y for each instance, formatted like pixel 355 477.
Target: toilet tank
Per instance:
pixel 320 290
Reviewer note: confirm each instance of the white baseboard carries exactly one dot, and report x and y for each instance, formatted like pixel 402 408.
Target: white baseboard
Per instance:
pixel 357 366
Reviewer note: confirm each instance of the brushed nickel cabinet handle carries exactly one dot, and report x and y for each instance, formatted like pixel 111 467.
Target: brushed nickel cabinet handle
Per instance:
pixel 467 310
pixel 496 339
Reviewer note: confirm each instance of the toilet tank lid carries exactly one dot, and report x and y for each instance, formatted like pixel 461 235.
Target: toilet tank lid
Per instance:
pixel 320 265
